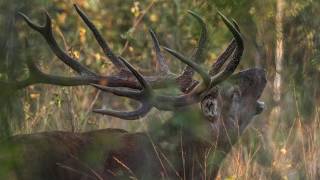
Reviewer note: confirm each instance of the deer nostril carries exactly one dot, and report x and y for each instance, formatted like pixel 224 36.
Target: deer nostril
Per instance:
pixel 259 107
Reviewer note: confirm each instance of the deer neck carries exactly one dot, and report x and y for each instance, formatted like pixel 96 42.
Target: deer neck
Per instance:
pixel 190 139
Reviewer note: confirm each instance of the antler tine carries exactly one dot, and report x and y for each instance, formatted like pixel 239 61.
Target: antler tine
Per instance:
pixel 198 55
pixel 234 30
pixel 194 66
pixel 235 24
pixel 46 32
pixel 133 94
pixel 236 57
pixel 103 44
pixel 132 115
pixel 162 67
pixel 146 86
pixel 144 96
pixel 223 57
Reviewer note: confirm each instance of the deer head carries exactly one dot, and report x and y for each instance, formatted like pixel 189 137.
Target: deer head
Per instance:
pixel 221 105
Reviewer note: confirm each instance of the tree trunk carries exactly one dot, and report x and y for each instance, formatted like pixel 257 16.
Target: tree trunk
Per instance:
pixel 278 59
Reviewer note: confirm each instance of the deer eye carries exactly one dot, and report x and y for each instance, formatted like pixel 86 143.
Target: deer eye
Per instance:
pixel 210 108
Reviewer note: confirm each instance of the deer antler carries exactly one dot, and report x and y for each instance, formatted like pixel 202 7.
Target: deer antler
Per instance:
pixel 166 76
pixel 223 57
pixel 130 83
pixel 123 79
pixel 198 56
pixel 149 99
pixel 86 75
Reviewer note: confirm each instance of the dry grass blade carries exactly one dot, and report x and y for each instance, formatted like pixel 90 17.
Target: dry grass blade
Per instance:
pixel 78 171
pixel 133 176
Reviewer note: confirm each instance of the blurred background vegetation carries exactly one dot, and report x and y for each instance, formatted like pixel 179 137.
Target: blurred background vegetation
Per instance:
pixel 281 36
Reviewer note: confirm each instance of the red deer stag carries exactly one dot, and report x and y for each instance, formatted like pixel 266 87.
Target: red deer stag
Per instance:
pixel 207 120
